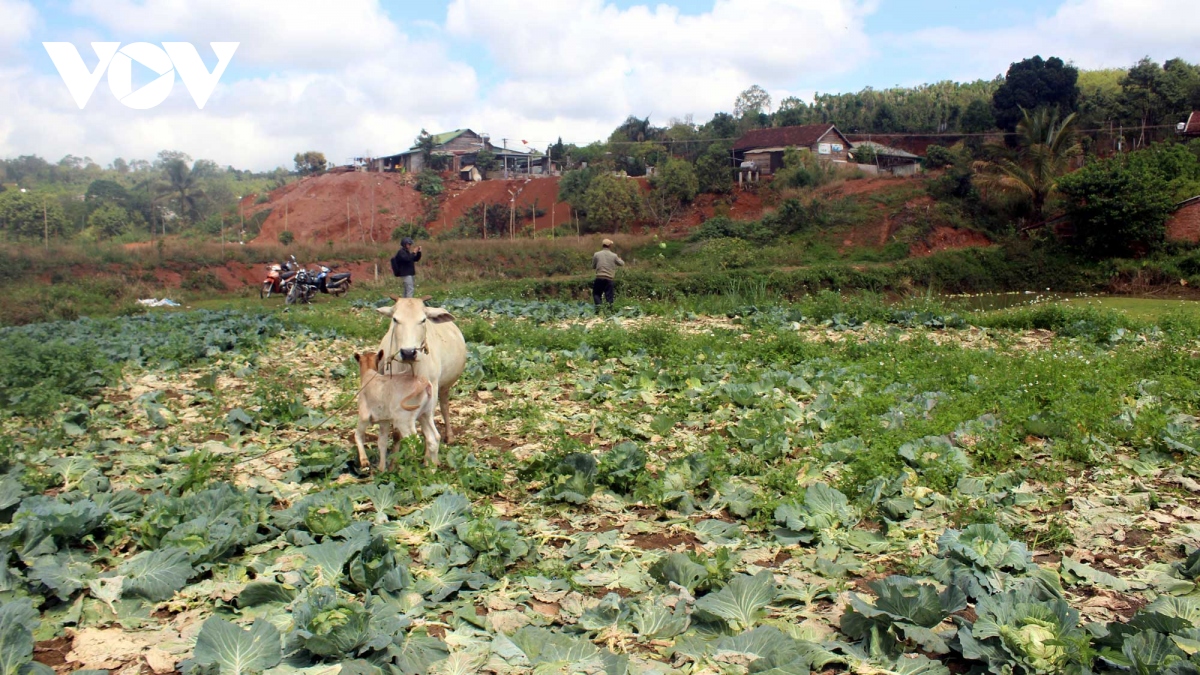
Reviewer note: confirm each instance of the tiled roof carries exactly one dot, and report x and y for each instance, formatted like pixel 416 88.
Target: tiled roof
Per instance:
pixel 782 137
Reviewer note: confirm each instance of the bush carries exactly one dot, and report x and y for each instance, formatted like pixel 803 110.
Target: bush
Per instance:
pixel 429 183
pixel 409 230
pixel 1118 205
pixel 263 198
pixel 286 238
pixel 203 280
pixel 938 156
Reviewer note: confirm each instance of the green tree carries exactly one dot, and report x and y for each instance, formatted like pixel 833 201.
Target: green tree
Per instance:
pixel 424 143
pixel 714 168
pixel 612 201
pixel 485 161
pixel 286 238
pixel 183 186
pixel 978 118
pixel 105 191
pixel 671 187
pixel 1118 206
pixel 573 186
pixel 309 162
pixel 752 102
pixel 109 220
pixel 1035 83
pixel 1047 147
pixel 30 215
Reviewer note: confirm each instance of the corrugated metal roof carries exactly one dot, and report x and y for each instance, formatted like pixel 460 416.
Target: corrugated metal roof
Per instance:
pixel 446 137
pixel 784 137
pixel 886 151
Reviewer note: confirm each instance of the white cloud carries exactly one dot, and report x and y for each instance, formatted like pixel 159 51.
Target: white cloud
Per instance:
pixel 587 61
pixel 284 33
pixel 17 18
pixel 1089 33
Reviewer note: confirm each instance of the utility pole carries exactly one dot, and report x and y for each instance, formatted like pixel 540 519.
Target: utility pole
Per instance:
pixel 242 212
pixel 45 226
pixel 222 236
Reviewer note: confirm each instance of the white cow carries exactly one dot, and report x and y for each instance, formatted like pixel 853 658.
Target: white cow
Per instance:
pixel 393 401
pixel 427 339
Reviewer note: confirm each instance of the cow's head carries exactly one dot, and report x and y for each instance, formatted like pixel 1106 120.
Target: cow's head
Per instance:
pixel 406 336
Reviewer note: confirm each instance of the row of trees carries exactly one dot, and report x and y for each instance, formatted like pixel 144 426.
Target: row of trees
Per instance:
pixel 76 198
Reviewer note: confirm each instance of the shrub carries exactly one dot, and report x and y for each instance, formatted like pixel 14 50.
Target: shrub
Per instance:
pixel 1118 205
pixel 429 183
pixel 286 238
pixel 409 230
pixel 938 156
pixel 263 198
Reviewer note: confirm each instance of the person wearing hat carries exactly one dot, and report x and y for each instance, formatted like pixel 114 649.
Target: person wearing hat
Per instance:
pixel 605 262
pixel 402 264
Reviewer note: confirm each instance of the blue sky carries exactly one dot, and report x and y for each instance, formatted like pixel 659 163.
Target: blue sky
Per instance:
pixel 360 77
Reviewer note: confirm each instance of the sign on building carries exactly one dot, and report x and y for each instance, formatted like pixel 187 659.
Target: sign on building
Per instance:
pixel 823 148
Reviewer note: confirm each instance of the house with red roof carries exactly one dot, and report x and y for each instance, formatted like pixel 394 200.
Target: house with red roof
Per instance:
pixel 1192 126
pixel 765 147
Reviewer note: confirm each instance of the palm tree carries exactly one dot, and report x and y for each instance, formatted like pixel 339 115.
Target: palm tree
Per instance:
pixel 1047 147
pixel 181 182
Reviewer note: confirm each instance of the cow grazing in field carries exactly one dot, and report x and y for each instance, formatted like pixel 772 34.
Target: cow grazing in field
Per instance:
pixel 400 401
pixel 426 339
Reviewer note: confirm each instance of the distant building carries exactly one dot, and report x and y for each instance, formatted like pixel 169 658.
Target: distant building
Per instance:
pixel 1192 126
pixel 460 148
pixel 887 159
pixel 765 147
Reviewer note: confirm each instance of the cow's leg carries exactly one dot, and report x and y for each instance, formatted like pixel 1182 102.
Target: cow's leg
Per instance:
pixel 444 399
pixel 359 434
pixel 385 431
pixel 429 430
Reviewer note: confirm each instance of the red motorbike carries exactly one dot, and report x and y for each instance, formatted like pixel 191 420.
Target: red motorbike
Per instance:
pixel 279 278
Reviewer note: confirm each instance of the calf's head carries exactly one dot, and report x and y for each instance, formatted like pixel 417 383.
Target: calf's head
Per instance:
pixel 368 361
pixel 406 336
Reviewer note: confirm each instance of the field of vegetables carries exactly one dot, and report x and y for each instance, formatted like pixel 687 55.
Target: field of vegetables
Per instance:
pixel 833 486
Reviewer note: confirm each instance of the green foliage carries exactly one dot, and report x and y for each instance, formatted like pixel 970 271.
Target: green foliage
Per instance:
pixel 409 229
pixel 979 560
pixel 1025 631
pixel 30 215
pixel 801 168
pixel 672 186
pixel 286 238
pixel 1035 83
pixel 330 626
pixel 612 201
pixel 310 162
pixel 714 169
pixel 17 622
pixel 905 612
pixel 234 651
pixel 1118 205
pixel 485 161
pixel 429 183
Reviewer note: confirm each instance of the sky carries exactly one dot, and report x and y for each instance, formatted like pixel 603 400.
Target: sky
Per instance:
pixel 362 77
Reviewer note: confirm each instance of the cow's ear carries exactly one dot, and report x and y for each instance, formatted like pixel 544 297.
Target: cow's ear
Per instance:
pixel 386 311
pixel 438 315
pixel 379 357
pixel 395 298
pixel 358 357
pixel 426 298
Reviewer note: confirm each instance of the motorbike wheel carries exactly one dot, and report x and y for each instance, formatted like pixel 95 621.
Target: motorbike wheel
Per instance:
pixel 265 291
pixel 294 295
pixel 340 289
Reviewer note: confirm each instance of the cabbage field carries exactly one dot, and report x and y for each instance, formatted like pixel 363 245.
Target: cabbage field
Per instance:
pixel 834 486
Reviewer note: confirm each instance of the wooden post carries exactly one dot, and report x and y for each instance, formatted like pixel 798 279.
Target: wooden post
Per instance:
pixel 483 208
pixel 552 205
pixel 347 218
pixel 45 225
pixel 533 212
pixel 285 216
pixel 372 212
pixel 242 212
pixel 222 236
pixel 512 215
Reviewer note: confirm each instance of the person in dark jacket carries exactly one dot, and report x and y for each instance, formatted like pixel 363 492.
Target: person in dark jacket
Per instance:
pixel 402 264
pixel 605 262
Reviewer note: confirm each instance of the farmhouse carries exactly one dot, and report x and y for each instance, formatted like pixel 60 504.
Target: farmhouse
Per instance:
pixel 459 148
pixel 765 146
pixel 886 159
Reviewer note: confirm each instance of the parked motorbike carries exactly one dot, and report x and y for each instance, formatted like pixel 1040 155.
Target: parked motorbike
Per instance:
pixel 334 284
pixel 307 283
pixel 279 278
pixel 302 287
